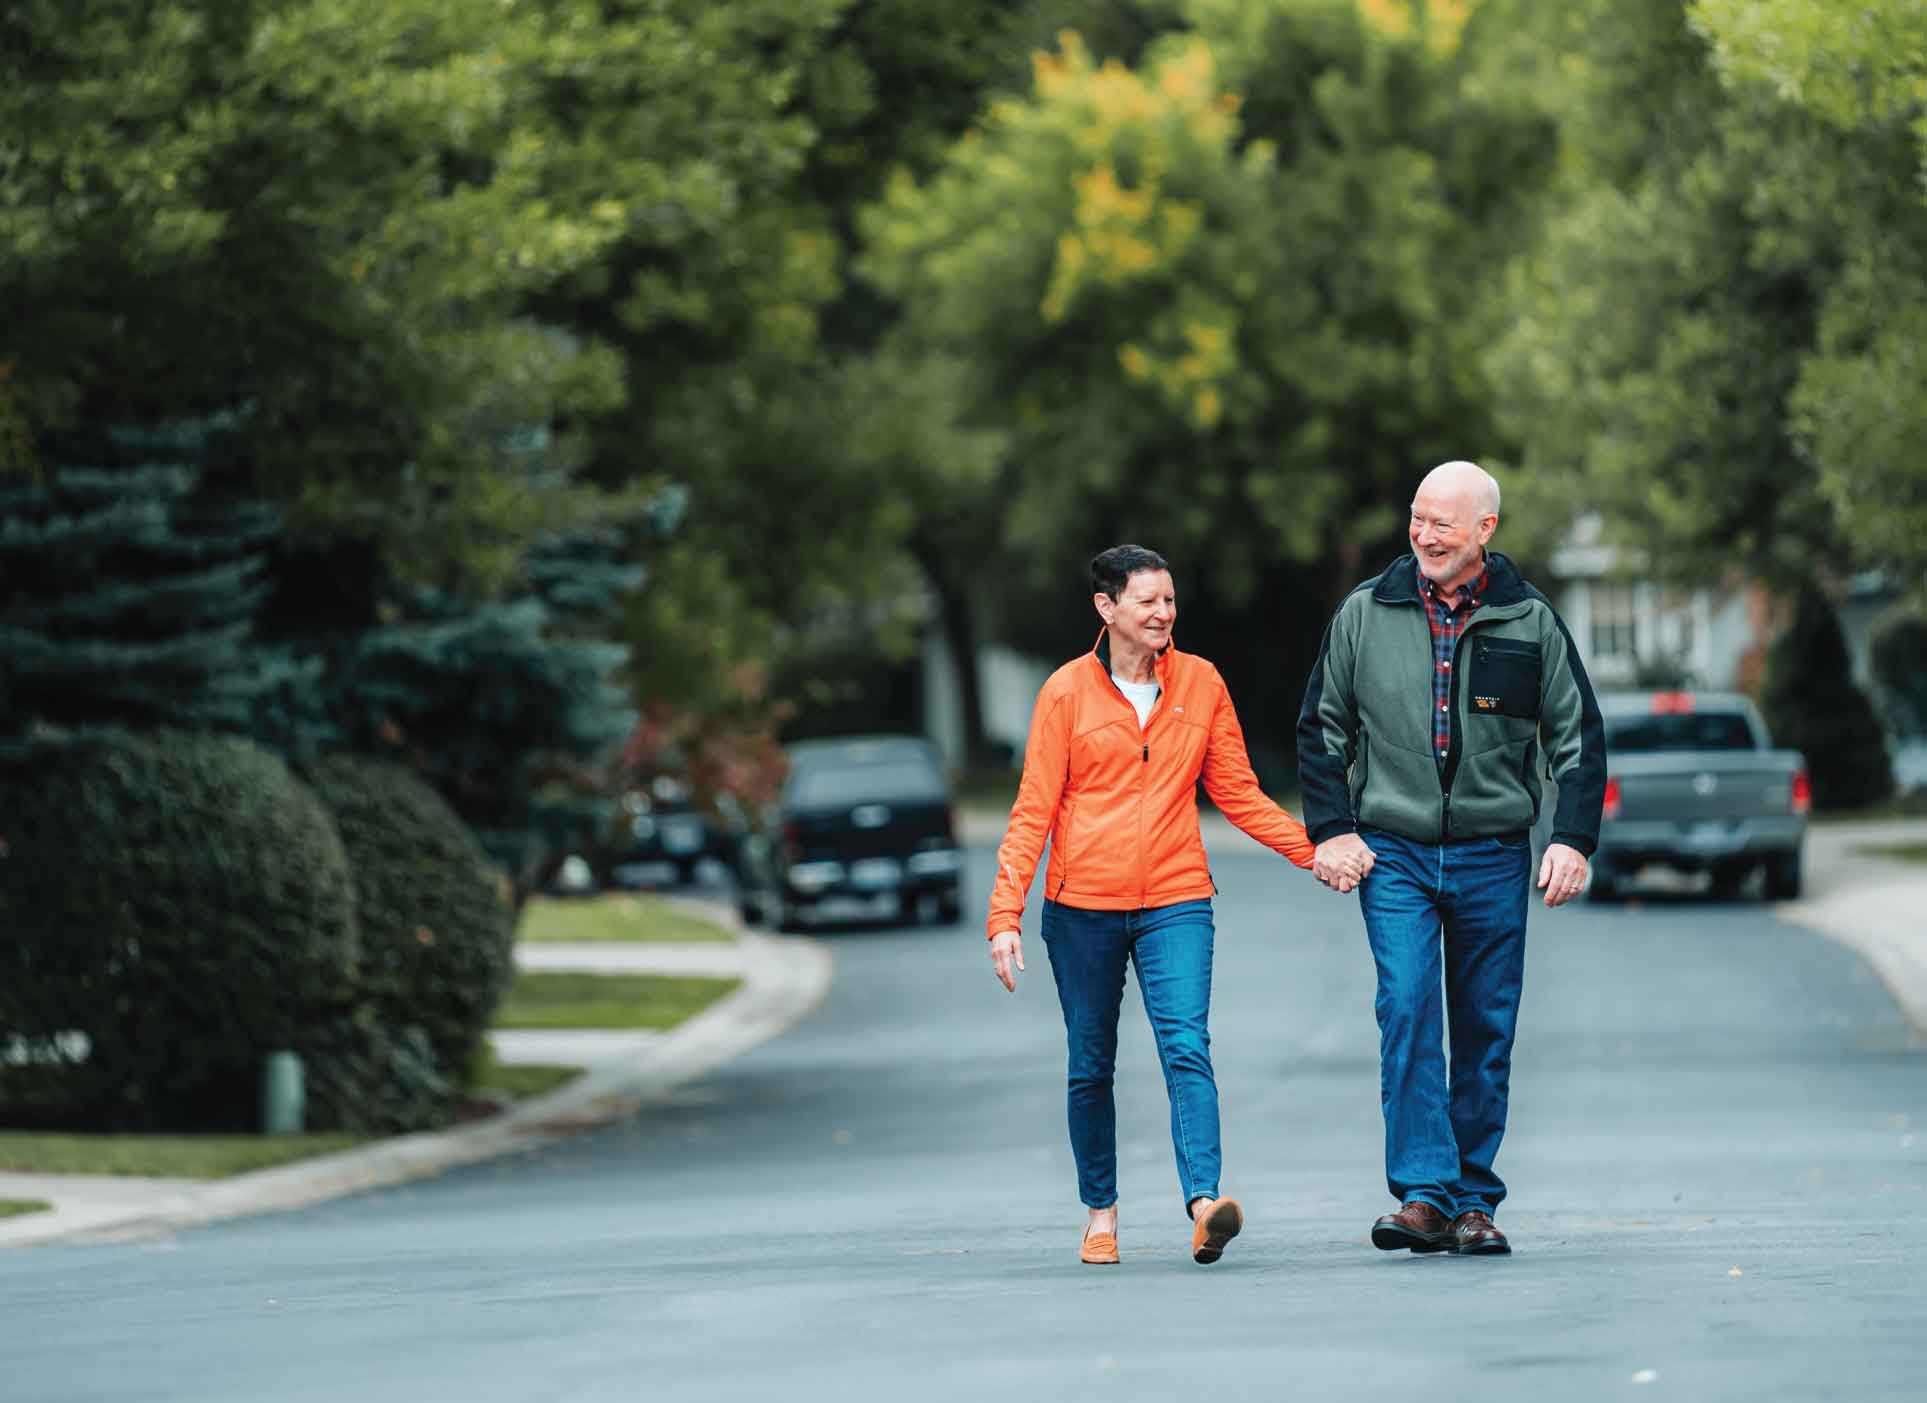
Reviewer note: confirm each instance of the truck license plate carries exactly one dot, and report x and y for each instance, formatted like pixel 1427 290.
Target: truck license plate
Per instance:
pixel 876 873
pixel 682 837
pixel 1711 836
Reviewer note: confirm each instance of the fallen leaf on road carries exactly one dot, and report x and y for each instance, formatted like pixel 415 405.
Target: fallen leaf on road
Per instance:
pixel 1736 1272
pixel 1646 1376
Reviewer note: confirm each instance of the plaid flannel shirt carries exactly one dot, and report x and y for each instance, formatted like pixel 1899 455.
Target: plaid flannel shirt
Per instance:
pixel 1446 624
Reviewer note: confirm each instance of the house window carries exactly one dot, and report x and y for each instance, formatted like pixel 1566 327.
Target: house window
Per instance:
pixel 1612 621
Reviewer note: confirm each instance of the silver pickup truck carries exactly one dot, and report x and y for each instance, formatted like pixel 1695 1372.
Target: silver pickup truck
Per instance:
pixel 1693 783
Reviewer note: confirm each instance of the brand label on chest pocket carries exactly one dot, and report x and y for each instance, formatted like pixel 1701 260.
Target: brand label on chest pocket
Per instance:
pixel 1505 678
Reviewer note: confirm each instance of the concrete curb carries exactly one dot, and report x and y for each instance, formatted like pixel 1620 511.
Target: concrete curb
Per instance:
pixel 784 979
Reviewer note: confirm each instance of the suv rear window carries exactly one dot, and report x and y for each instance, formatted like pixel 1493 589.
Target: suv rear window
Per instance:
pixel 1697 730
pixel 824 786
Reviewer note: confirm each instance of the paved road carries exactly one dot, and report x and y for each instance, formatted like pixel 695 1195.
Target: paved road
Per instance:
pixel 1719 1171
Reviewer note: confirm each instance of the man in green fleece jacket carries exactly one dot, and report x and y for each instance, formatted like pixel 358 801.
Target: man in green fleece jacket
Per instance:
pixel 1445 689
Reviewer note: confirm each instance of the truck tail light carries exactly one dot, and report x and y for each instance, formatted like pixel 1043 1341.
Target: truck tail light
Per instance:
pixel 1612 805
pixel 1802 792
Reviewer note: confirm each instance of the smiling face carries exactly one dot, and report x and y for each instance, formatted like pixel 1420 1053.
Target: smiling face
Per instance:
pixel 1144 612
pixel 1452 519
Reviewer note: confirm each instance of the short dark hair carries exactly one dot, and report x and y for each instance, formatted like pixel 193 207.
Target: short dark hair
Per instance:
pixel 1111 570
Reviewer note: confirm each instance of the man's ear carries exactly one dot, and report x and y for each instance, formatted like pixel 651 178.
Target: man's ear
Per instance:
pixel 1102 603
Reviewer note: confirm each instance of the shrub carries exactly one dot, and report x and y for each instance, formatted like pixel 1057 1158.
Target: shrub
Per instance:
pixel 1812 706
pixel 182 902
pixel 437 932
pixel 372 1078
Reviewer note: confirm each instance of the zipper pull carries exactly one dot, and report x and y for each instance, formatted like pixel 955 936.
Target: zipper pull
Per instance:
pixel 1147 754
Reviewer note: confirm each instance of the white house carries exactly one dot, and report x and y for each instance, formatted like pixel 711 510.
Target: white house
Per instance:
pixel 1633 632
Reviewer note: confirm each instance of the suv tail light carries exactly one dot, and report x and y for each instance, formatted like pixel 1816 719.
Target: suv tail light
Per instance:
pixel 1802 792
pixel 1612 804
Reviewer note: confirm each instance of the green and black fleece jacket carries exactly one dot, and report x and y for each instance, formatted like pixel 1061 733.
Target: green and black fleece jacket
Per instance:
pixel 1522 707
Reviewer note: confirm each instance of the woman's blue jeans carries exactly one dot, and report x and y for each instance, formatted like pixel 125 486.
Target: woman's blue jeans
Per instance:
pixel 1171 948
pixel 1451 914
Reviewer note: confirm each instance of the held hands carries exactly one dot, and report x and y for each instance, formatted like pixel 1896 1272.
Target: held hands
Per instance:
pixel 1342 862
pixel 1007 957
pixel 1562 873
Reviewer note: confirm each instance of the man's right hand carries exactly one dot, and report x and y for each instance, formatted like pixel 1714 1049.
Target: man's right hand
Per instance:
pixel 1007 956
pixel 1342 862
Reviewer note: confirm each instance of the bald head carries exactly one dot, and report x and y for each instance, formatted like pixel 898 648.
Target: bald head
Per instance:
pixel 1463 482
pixel 1454 513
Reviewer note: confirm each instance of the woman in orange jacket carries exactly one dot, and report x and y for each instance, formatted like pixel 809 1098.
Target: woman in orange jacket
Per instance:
pixel 1119 739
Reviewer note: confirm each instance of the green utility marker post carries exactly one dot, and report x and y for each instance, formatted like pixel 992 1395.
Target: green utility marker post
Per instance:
pixel 283 1094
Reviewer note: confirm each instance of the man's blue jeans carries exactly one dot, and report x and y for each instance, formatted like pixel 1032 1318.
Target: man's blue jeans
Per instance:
pixel 1171 947
pixel 1451 913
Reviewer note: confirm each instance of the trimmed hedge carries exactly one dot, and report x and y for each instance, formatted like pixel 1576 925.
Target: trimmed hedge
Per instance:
pixel 437 928
pixel 185 904
pixel 371 1078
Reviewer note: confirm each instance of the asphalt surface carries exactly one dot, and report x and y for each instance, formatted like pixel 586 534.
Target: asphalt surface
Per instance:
pixel 1718 1164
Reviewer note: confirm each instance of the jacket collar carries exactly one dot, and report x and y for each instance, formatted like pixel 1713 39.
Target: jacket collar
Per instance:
pixel 1102 652
pixel 1399 582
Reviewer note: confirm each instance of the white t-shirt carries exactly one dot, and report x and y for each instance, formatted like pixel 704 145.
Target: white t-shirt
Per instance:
pixel 1142 695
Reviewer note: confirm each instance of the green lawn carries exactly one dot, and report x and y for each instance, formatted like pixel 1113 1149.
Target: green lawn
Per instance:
pixel 518 1081
pixel 218 1156
pixel 553 1000
pixel 14 1207
pixel 1906 852
pixel 164 1156
pixel 613 917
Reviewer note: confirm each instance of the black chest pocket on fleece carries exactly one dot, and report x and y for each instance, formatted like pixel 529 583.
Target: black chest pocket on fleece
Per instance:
pixel 1505 678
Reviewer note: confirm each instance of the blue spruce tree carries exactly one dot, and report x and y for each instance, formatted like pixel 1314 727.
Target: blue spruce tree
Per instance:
pixel 127 595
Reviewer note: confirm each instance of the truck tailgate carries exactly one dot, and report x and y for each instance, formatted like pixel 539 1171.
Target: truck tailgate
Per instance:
pixel 1705 785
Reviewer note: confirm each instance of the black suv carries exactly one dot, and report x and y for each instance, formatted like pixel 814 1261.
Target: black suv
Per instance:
pixel 863 824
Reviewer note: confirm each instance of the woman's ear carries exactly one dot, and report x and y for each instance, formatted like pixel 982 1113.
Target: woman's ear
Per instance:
pixel 1105 606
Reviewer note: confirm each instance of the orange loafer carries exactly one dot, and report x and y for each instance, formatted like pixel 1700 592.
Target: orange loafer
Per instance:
pixel 1210 1233
pixel 1099 1250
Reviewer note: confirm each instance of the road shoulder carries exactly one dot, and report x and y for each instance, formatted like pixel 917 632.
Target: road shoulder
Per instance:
pixel 1876 906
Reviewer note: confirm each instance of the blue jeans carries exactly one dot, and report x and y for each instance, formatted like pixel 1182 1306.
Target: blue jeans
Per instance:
pixel 1457 911
pixel 1171 947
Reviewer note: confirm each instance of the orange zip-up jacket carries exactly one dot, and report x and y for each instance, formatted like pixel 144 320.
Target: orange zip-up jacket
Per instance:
pixel 1119 802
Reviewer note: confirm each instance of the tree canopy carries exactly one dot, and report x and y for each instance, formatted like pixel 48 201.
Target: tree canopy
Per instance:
pixel 834 316
pixel 1715 336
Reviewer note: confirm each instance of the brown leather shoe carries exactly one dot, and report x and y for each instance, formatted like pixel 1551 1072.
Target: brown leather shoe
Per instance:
pixel 1473 1235
pixel 1418 1225
pixel 1099 1250
pixel 1209 1233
